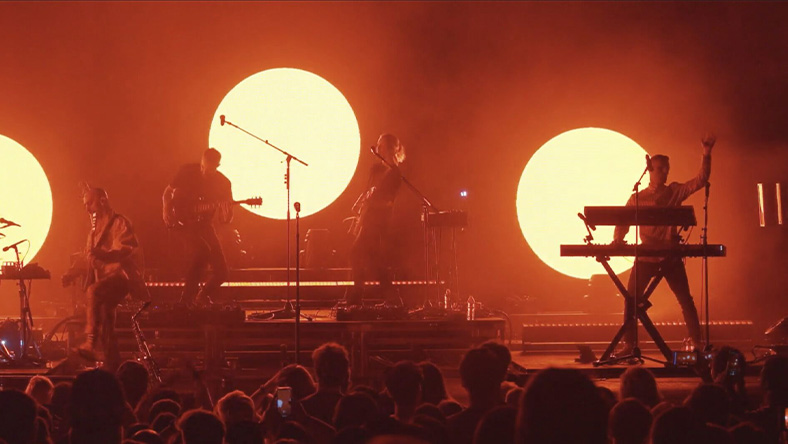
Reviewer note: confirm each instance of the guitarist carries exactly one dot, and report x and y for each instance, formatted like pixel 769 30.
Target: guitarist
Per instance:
pixel 370 229
pixel 200 183
pixel 112 268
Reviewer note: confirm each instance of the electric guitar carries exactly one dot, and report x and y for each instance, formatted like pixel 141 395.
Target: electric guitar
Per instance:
pixel 189 211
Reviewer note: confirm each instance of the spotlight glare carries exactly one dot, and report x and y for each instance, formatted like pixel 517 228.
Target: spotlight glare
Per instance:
pixel 301 113
pixel 578 168
pixel 25 198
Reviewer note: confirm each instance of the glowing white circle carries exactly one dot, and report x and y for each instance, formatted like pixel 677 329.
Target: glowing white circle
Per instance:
pixel 301 113
pixel 578 168
pixel 25 198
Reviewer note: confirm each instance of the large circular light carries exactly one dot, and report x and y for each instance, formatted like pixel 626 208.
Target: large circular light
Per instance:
pixel 25 198
pixel 578 168
pixel 298 112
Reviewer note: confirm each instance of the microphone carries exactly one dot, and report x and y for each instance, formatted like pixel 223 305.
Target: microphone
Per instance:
pixel 583 217
pixel 297 206
pixel 221 119
pixel 648 162
pixel 13 245
pixel 375 153
pixel 9 223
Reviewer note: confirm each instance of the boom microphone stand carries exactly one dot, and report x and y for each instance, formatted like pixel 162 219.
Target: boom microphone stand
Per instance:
pixel 635 354
pixel 297 207
pixel 705 262
pixel 287 311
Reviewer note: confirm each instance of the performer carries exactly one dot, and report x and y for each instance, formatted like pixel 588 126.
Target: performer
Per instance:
pixel 112 268
pixel 369 254
pixel 661 195
pixel 196 183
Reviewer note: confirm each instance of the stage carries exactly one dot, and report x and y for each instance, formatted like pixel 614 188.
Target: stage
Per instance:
pixel 673 383
pixel 238 348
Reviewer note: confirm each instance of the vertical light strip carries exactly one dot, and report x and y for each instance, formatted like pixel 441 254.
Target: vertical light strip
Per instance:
pixel 779 203
pixel 761 215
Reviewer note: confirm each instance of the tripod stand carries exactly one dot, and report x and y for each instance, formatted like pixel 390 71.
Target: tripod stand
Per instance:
pixel 705 264
pixel 286 312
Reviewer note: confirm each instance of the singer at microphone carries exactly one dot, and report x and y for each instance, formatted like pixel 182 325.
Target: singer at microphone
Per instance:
pixel 661 193
pixel 370 256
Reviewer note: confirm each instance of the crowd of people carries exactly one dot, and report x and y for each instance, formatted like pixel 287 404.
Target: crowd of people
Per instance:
pixel 412 406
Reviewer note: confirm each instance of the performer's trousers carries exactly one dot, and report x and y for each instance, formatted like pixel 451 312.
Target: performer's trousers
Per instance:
pixel 369 259
pixel 676 275
pixel 203 250
pixel 103 298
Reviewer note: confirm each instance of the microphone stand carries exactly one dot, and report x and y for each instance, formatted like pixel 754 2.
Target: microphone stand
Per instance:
pixel 705 262
pixel 287 311
pixel 298 315
pixel 635 355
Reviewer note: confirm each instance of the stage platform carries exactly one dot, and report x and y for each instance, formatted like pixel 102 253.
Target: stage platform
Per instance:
pixel 234 351
pixel 243 355
pixel 674 384
pixel 226 342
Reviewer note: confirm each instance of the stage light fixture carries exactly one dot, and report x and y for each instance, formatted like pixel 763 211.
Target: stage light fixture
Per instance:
pixel 578 168
pixel 25 198
pixel 301 113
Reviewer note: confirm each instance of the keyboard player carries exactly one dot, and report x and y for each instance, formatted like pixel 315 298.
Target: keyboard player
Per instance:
pixel 659 194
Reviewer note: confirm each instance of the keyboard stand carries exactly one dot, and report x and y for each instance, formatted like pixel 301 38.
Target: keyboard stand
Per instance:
pixel 649 326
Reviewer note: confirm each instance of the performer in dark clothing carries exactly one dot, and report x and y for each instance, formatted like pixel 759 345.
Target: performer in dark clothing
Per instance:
pixel 661 195
pixel 369 255
pixel 200 184
pixel 112 267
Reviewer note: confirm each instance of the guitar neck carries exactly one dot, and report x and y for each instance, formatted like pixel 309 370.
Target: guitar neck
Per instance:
pixel 203 206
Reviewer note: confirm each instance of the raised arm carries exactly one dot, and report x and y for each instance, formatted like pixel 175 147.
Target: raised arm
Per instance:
pixel 686 189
